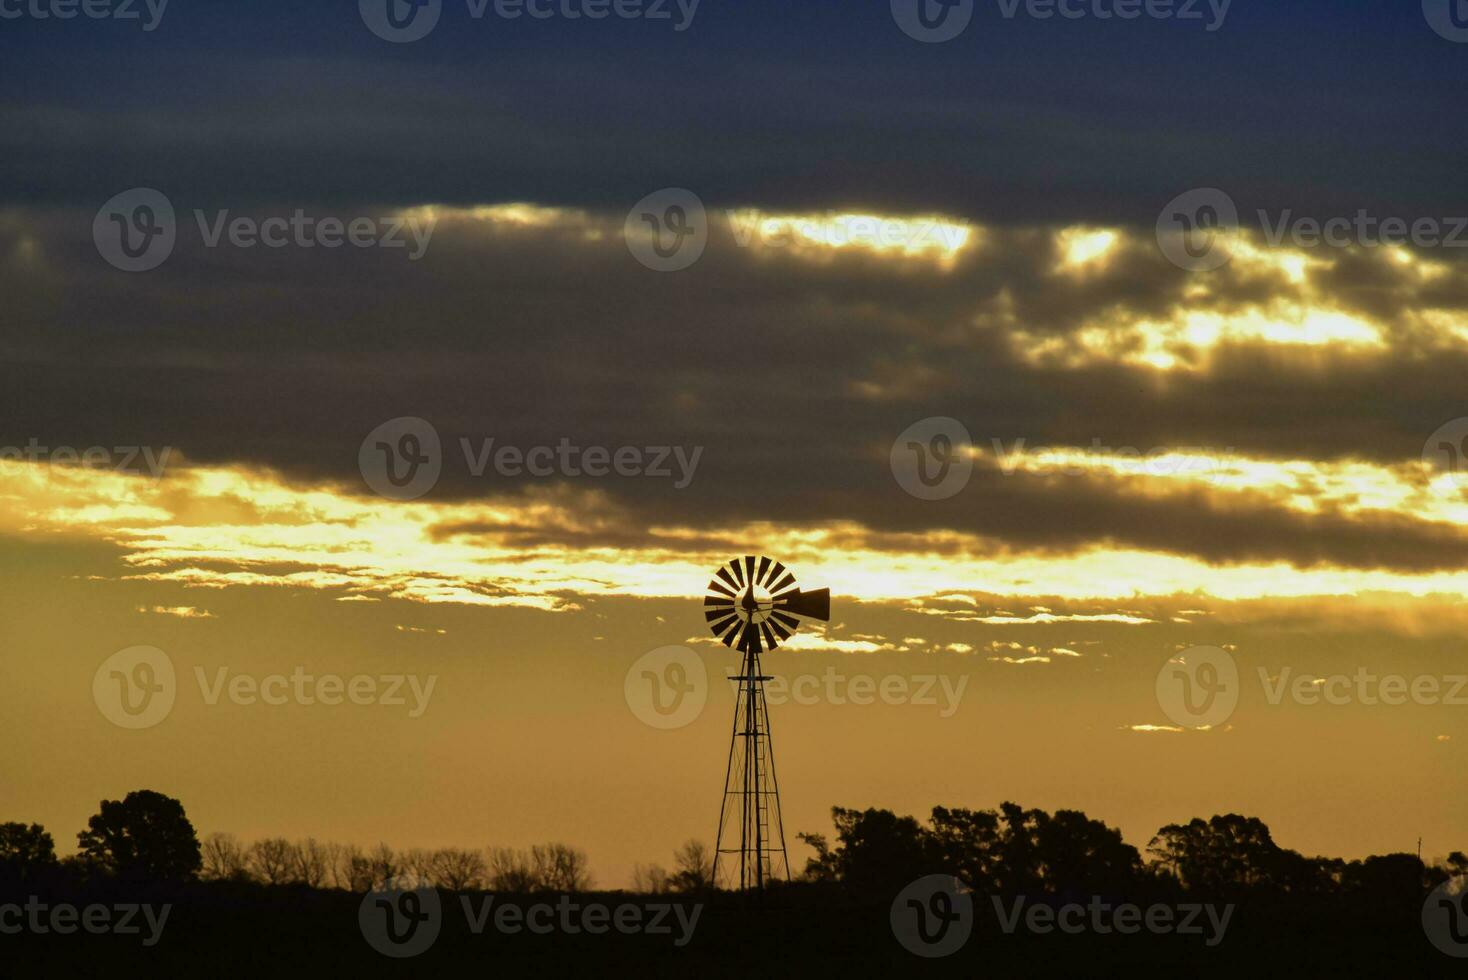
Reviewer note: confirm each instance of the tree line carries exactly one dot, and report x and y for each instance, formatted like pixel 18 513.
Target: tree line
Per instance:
pixel 1015 850
pixel 148 837
pixel 1010 850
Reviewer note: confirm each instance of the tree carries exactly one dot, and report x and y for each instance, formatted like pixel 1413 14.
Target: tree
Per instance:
pixel 824 866
pixel 145 835
pixel 560 868
pixel 384 866
pixel 695 866
pixel 457 869
pixel 308 862
pixel 878 851
pixel 1224 855
pixel 270 860
pixel 417 863
pixel 1081 854
pixel 224 858
pixel 966 844
pixel 1387 880
pixel 510 871
pixel 25 850
pixel 650 879
pixel 355 869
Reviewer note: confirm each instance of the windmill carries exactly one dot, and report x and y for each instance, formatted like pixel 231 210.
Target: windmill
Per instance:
pixel 753 605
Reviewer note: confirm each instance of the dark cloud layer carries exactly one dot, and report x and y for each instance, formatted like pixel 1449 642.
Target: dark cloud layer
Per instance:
pixel 1018 120
pixel 794 371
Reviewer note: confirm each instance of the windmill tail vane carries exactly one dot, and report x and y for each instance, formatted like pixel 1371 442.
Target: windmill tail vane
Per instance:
pixel 754 605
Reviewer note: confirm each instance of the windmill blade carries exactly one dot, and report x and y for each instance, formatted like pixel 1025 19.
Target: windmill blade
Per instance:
pixel 749 567
pixel 770 642
pixel 815 604
pixel 789 621
pixel 719 628
pixel 723 573
pixel 729 637
pixel 776 571
pixel 714 614
pixel 780 630
pixel 788 582
pixel 764 567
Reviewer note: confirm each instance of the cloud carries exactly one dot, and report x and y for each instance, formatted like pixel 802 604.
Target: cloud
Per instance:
pixel 1313 483
pixel 182 612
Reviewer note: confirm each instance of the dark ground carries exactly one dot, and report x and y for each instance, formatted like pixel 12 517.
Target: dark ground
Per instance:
pixel 218 931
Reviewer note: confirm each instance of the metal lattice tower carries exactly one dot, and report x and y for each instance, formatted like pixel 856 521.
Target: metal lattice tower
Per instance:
pixel 753 605
pixel 751 833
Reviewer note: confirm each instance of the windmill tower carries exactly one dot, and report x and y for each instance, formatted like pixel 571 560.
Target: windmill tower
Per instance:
pixel 753 605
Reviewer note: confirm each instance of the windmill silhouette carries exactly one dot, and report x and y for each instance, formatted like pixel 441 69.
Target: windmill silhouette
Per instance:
pixel 753 605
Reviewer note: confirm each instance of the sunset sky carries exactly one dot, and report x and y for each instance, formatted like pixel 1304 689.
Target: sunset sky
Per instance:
pixel 1243 458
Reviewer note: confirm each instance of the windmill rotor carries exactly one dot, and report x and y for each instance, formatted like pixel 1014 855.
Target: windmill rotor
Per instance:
pixel 754 604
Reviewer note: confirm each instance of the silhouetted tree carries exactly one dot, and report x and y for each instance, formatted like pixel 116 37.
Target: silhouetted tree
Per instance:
pixel 383 865
pixel 878 849
pixel 1387 880
pixel 1223 855
pixel 224 858
pixel 1078 853
pixel 695 864
pixel 307 861
pixel 650 879
pixel 822 867
pixel 457 869
pixel 560 868
pixel 269 861
pixel 145 835
pixel 966 843
pixel 25 851
pixel 510 871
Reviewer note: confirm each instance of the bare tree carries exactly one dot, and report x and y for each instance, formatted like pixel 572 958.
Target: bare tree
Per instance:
pixel 457 869
pixel 356 869
pixel 418 863
pixel 560 868
pixel 308 862
pixel 270 860
pixel 695 864
pixel 385 865
pixel 511 871
pixel 649 879
pixel 336 865
pixel 224 858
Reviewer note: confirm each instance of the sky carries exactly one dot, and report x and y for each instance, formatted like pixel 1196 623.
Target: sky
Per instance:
pixel 951 332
